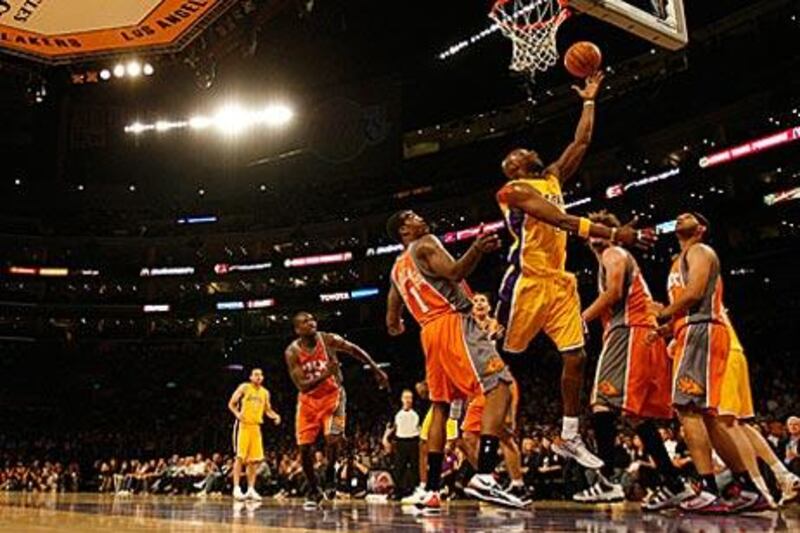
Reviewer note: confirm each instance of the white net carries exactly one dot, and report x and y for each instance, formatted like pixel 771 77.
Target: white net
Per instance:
pixel 531 25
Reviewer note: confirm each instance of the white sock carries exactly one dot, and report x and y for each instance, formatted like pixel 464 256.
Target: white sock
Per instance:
pixel 779 469
pixel 761 485
pixel 517 483
pixel 569 427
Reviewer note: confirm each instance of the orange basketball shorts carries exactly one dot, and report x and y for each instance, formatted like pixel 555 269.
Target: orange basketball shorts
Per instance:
pixel 460 360
pixel 701 354
pixel 634 375
pixel 326 414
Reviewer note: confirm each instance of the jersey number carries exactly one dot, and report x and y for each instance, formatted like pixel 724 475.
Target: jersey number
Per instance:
pixel 412 290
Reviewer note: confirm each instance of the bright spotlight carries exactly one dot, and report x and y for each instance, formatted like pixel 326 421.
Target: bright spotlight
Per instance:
pixel 119 70
pixel 231 119
pixel 134 69
pixel 163 125
pixel 276 115
pixel 200 122
pixel 148 69
pixel 136 127
pixel 105 74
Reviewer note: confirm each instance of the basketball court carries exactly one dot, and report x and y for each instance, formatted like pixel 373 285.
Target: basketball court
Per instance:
pixel 93 512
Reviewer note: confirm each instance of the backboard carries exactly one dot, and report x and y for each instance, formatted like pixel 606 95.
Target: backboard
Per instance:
pixel 660 21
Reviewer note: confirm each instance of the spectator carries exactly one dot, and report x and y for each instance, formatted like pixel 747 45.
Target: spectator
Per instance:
pixel 791 447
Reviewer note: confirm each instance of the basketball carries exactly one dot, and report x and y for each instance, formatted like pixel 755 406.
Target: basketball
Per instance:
pixel 583 59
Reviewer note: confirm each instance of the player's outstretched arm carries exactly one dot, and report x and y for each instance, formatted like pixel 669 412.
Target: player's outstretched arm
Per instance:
pixel 340 344
pixel 270 412
pixel 524 197
pixel 701 259
pixel 394 312
pixel 439 261
pixel 569 162
pixel 299 378
pixel 614 264
pixel 233 403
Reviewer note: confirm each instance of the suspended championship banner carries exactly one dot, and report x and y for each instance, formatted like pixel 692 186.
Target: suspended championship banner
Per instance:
pixel 62 31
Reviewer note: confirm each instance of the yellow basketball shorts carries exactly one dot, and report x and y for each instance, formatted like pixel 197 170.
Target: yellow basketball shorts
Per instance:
pixel 247 442
pixel 548 303
pixel 736 397
pixel 452 427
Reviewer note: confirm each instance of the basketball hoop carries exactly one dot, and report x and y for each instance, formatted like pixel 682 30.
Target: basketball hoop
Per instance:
pixel 531 25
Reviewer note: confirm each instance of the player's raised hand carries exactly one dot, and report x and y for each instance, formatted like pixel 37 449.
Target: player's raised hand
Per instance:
pixel 591 86
pixel 487 242
pixel 640 238
pixel 382 378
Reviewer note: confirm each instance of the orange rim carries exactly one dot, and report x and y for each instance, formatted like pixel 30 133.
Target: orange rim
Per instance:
pixel 562 15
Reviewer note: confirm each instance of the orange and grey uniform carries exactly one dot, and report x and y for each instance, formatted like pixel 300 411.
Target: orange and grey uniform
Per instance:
pixel 537 293
pixel 702 341
pixel 460 360
pixel 632 374
pixel 324 407
pixel 472 420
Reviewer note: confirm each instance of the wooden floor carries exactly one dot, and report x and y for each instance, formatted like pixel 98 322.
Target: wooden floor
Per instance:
pixel 95 512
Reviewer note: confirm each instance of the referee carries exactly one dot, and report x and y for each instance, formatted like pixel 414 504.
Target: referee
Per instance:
pixel 406 457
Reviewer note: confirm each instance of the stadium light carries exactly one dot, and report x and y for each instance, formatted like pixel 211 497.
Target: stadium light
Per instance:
pixel 119 70
pixel 105 74
pixel 133 69
pixel 148 69
pixel 276 115
pixel 200 122
pixel 231 119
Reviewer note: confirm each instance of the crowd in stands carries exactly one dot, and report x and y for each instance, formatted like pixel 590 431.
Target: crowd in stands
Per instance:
pixel 365 469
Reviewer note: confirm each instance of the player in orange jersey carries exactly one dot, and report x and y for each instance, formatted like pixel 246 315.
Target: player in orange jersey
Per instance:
pixel 537 294
pixel 481 312
pixel 701 348
pixel 633 376
pixel 321 401
pixel 471 425
pixel 460 360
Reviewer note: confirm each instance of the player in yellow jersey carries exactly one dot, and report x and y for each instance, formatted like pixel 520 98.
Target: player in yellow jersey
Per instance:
pixel 736 399
pixel 537 294
pixel 249 403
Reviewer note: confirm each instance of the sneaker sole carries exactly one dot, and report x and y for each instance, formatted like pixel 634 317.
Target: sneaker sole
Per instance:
pixel 486 498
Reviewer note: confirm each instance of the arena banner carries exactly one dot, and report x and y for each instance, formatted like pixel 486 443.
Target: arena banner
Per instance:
pixel 63 31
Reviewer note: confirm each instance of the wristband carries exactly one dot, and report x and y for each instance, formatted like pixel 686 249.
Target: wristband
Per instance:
pixel 583 227
pixel 613 237
pixel 587 103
